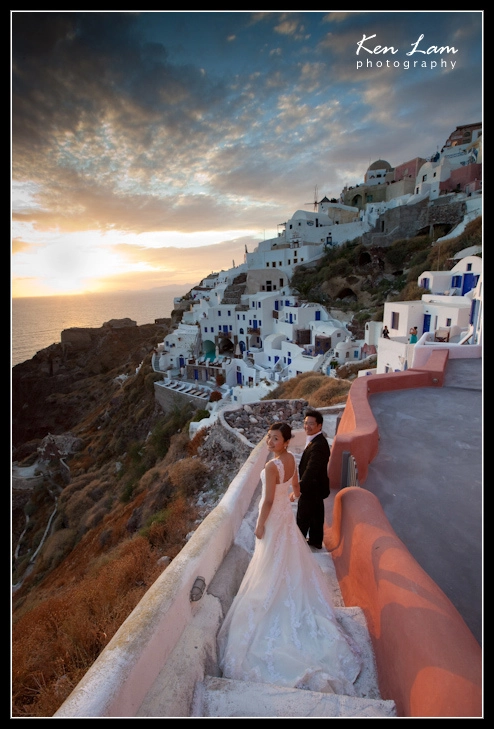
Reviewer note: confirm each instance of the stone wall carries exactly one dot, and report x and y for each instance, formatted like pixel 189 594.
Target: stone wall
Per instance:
pixel 406 221
pixel 168 399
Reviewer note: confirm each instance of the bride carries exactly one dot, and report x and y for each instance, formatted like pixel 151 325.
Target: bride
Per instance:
pixel 281 627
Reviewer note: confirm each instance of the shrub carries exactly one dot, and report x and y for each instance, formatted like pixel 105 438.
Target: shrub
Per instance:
pixel 57 547
pixel 196 442
pixel 200 415
pixel 412 292
pixel 128 491
pixel 188 475
pixel 215 396
pixel 167 529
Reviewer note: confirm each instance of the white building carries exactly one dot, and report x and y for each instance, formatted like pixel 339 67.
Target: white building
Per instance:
pixel 445 318
pixel 462 278
pixel 347 351
pixel 178 346
pixel 302 240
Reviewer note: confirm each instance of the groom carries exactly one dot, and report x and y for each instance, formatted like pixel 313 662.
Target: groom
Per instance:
pixel 314 481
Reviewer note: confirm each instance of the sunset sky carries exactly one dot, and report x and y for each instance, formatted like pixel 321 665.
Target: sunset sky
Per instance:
pixel 151 148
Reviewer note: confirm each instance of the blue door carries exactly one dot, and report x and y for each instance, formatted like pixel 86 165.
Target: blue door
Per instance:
pixel 427 323
pixel 181 361
pixel 239 378
pixel 468 283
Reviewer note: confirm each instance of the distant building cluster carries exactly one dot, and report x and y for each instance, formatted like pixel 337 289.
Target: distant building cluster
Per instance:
pixel 244 330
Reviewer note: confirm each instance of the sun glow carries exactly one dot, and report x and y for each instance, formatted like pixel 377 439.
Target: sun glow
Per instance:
pixel 65 268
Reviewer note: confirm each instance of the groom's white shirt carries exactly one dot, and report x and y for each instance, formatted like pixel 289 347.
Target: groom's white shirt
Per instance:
pixel 309 438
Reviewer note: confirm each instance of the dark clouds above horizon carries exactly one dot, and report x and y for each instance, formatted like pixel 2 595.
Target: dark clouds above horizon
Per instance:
pixel 172 129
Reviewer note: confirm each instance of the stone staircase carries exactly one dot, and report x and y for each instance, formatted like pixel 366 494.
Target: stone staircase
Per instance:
pixel 233 292
pixel 191 685
pixel 221 697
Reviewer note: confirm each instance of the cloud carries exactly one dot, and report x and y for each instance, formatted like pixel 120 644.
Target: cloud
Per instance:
pixel 167 123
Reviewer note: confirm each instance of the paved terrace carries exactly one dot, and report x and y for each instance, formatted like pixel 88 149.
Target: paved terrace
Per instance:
pixel 428 477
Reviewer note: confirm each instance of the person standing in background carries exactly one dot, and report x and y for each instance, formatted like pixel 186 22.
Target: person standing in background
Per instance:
pixel 313 479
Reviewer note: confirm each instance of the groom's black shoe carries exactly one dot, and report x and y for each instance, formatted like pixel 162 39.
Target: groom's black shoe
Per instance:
pixel 316 546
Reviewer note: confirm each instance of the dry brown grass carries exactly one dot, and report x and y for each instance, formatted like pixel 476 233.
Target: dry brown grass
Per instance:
pixel 55 642
pixel 167 532
pixel 59 631
pixel 318 389
pixel 188 475
pixel 330 392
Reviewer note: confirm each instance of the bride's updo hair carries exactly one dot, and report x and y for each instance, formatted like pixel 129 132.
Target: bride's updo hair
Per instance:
pixel 284 429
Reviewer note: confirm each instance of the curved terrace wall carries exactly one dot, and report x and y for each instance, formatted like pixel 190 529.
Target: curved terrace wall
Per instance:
pixel 427 659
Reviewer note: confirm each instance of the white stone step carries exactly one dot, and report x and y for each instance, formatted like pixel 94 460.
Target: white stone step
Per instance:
pixel 221 697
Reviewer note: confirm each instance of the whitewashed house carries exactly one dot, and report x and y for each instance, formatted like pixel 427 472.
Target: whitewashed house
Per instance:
pixel 259 317
pixel 271 265
pixel 462 278
pixel 197 311
pixel 400 316
pixel 177 346
pixel 219 319
pixel 299 362
pixel 327 334
pixel 373 332
pixel 430 175
pixel 209 282
pixel 347 351
pixel 445 318
pixel 271 358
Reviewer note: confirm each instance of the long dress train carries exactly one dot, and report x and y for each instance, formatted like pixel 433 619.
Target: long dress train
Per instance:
pixel 281 627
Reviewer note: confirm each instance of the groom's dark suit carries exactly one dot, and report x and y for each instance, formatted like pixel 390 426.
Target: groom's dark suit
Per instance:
pixel 314 488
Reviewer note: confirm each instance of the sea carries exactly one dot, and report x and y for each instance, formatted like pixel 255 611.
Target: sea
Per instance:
pixel 37 322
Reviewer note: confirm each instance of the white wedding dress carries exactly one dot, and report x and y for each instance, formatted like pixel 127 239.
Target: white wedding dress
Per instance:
pixel 281 628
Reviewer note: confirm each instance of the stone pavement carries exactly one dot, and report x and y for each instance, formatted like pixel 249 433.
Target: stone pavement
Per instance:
pixel 428 478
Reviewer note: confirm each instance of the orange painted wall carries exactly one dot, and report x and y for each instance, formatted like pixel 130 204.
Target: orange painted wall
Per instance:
pixel 427 659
